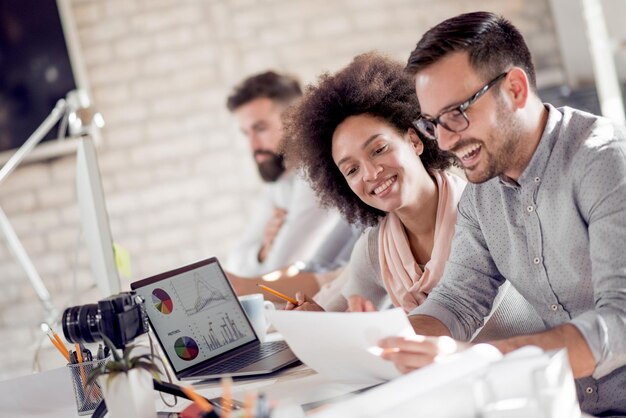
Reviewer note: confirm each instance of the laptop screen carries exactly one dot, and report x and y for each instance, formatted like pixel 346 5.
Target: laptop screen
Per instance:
pixel 194 313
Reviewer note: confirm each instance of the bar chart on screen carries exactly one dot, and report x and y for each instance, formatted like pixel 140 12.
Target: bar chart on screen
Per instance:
pixel 227 329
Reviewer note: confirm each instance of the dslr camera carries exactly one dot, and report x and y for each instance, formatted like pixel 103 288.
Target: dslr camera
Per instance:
pixel 120 318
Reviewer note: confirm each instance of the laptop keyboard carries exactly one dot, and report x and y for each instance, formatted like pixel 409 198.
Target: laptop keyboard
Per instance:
pixel 245 359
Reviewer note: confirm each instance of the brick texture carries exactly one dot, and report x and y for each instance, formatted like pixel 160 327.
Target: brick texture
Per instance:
pixel 177 176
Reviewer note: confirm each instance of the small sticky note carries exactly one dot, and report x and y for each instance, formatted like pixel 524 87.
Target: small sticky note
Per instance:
pixel 122 261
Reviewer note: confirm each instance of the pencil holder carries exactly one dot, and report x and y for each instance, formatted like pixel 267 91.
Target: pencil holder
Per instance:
pixel 87 396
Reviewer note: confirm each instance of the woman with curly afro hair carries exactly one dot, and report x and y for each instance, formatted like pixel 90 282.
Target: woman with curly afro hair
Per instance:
pixel 353 136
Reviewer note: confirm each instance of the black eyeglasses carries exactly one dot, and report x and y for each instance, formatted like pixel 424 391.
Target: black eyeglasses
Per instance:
pixel 455 119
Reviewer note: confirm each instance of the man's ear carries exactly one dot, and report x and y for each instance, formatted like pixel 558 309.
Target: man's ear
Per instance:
pixel 415 141
pixel 517 87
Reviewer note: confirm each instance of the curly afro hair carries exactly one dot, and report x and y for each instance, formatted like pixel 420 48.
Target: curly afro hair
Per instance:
pixel 371 84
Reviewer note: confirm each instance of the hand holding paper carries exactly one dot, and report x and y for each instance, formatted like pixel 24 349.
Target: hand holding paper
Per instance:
pixel 416 351
pixel 339 345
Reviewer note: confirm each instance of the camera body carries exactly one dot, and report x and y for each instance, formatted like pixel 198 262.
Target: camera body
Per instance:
pixel 121 318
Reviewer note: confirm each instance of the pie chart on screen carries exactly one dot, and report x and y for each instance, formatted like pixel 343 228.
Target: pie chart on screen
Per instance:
pixel 162 301
pixel 186 348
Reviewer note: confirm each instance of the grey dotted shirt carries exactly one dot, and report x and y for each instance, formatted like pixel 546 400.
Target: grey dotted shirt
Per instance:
pixel 559 236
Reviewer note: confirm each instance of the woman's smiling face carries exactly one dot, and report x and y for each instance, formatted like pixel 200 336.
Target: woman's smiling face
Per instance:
pixel 380 164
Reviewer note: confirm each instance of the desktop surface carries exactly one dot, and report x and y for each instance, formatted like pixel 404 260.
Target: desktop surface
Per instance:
pixel 49 394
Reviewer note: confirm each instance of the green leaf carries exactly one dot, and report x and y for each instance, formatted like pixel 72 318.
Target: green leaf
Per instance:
pixel 117 367
pixel 147 365
pixel 125 363
pixel 94 374
pixel 147 357
pixel 112 347
pixel 127 351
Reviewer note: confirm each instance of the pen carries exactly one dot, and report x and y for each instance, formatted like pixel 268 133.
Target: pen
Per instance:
pixel 280 295
pixel 262 408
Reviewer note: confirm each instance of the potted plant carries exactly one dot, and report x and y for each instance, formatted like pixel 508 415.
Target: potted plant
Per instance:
pixel 126 382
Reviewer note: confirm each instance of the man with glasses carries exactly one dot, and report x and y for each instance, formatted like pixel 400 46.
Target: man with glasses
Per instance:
pixel 546 210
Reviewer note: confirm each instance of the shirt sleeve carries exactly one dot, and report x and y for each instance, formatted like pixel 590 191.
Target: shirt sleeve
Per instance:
pixel 243 259
pixel 329 296
pixel 365 278
pixel 465 294
pixel 305 228
pixel 602 201
pixel 336 249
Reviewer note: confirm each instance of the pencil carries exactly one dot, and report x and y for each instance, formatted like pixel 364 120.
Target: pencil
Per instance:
pixel 248 407
pixel 199 400
pixel 56 341
pixel 61 345
pixel 280 295
pixel 79 354
pixel 56 345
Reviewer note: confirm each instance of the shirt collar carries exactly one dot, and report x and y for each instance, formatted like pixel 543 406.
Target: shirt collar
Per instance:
pixel 538 162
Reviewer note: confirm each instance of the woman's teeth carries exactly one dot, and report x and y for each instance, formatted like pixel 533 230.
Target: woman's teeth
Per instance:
pixel 385 185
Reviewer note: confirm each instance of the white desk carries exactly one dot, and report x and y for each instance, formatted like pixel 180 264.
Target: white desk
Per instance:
pixel 49 394
pixel 46 394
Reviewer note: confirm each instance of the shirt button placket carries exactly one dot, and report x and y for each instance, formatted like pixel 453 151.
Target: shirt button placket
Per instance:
pixel 589 388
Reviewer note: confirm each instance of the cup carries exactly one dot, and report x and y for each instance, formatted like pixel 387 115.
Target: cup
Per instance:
pixel 255 306
pixel 87 396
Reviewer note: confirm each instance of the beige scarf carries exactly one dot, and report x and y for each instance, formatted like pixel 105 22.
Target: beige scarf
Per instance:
pixel 404 280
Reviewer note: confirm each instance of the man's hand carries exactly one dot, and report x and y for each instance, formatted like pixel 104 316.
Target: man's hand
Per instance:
pixel 357 303
pixel 271 230
pixel 410 353
pixel 304 304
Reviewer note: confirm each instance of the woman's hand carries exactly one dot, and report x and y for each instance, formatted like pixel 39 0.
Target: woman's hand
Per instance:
pixel 304 304
pixel 357 303
pixel 410 353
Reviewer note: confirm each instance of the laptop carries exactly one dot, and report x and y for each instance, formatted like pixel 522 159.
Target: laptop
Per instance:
pixel 202 328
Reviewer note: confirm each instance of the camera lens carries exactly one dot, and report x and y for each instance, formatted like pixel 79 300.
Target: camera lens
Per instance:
pixel 80 324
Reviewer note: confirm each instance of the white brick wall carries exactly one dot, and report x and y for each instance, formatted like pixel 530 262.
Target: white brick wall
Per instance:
pixel 178 179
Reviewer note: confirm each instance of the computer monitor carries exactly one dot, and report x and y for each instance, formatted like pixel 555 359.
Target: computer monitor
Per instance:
pixel 94 219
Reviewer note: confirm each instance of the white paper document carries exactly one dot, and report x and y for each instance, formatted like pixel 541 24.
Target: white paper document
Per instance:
pixel 437 383
pixel 476 382
pixel 339 345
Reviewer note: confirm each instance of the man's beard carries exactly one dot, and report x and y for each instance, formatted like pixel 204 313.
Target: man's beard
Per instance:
pixel 272 167
pixel 504 153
